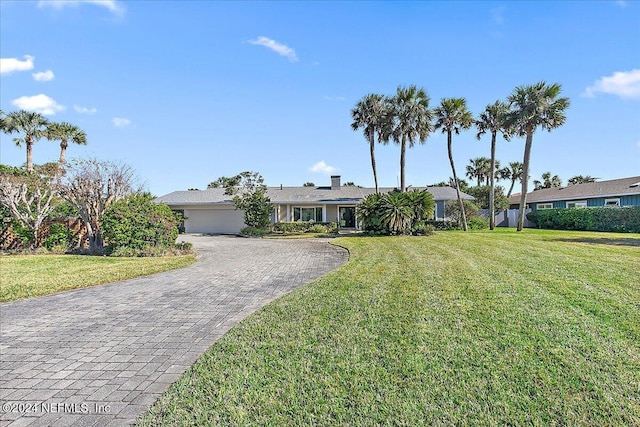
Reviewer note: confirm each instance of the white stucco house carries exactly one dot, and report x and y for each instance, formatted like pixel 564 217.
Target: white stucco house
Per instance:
pixel 213 212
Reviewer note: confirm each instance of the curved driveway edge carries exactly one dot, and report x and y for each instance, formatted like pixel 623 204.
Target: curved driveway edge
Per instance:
pixel 103 355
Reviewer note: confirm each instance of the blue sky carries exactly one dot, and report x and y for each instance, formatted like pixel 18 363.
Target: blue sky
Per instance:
pixel 186 92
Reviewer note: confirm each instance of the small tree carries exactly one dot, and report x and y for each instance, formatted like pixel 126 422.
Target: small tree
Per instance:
pixel 30 197
pixel 452 210
pixel 225 182
pixel 136 222
pixel 250 195
pixel 91 185
pixel 482 196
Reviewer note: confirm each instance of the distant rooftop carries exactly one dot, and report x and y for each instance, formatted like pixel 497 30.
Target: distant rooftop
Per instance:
pixel 589 190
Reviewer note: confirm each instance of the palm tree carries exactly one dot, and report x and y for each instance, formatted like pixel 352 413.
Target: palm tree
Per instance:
pixel 451 116
pixel 514 173
pixel 370 114
pixel 409 120
pixel 548 181
pixel 65 133
pixel 579 179
pixel 534 106
pixel 32 125
pixel 492 120
pixel 478 169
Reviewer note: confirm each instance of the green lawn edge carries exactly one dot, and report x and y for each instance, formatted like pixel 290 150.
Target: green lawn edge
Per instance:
pixel 28 276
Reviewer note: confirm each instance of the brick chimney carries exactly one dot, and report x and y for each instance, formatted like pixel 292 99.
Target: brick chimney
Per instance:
pixel 335 182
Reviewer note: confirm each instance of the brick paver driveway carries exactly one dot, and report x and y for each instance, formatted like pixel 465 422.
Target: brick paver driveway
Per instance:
pixel 103 355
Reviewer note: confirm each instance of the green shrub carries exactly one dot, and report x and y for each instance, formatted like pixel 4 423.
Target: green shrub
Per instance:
pixel 304 227
pixel 254 231
pixel 318 228
pixel 625 219
pixel 452 210
pixel 422 229
pixel 445 225
pixel 395 212
pixel 478 223
pixel 59 237
pixel 139 225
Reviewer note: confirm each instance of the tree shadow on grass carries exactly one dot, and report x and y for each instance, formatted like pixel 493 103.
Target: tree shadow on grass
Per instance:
pixel 613 241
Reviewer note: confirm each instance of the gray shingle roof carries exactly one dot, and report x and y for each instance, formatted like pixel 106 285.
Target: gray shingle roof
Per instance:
pixel 291 195
pixel 590 190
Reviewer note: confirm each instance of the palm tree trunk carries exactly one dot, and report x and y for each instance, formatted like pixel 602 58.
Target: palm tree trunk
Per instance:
pixel 455 178
pixel 403 150
pixel 525 179
pixel 63 152
pixel 492 209
pixel 29 144
pixel 372 144
pixel 513 183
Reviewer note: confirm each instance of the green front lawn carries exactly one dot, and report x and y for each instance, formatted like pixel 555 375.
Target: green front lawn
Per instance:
pixel 25 276
pixel 535 328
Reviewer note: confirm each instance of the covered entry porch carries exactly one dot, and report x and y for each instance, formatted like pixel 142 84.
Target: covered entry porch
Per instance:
pixel 342 213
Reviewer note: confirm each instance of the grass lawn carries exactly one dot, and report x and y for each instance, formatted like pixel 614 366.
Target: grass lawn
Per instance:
pixel 535 328
pixel 25 276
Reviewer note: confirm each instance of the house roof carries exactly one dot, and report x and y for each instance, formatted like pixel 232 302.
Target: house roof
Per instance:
pixel 292 195
pixel 590 190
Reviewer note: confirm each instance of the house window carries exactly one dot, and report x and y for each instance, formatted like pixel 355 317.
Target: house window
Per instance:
pixel 543 206
pixel 577 204
pixel 307 214
pixel 612 202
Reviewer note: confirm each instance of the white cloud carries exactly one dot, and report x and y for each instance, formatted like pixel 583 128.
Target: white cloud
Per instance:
pixel 279 48
pixel 9 65
pixel 39 103
pixel 113 6
pixel 121 122
pixel 322 167
pixel 621 3
pixel 625 84
pixel 43 76
pixel 84 110
pixel 333 98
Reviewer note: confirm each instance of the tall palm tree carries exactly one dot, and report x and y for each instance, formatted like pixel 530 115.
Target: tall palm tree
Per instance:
pixel 492 120
pixel 32 125
pixel 370 114
pixel 65 133
pixel 452 116
pixel 409 121
pixel 514 173
pixel 533 106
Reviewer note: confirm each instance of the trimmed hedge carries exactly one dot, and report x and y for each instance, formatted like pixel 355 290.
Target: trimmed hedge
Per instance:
pixel 624 219
pixel 304 227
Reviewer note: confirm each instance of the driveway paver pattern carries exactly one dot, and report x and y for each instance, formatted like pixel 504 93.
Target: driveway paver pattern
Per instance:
pixel 103 355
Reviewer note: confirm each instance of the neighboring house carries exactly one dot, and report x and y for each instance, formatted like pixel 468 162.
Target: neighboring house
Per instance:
pixel 212 211
pixel 615 192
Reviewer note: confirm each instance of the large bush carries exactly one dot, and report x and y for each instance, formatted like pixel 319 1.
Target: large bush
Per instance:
pixel 397 212
pixel 625 219
pixel 452 210
pixel 137 223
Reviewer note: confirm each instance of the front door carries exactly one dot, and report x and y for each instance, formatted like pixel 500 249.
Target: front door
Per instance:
pixel 348 217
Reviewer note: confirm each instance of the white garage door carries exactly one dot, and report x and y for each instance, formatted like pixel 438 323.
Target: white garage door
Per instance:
pixel 214 221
